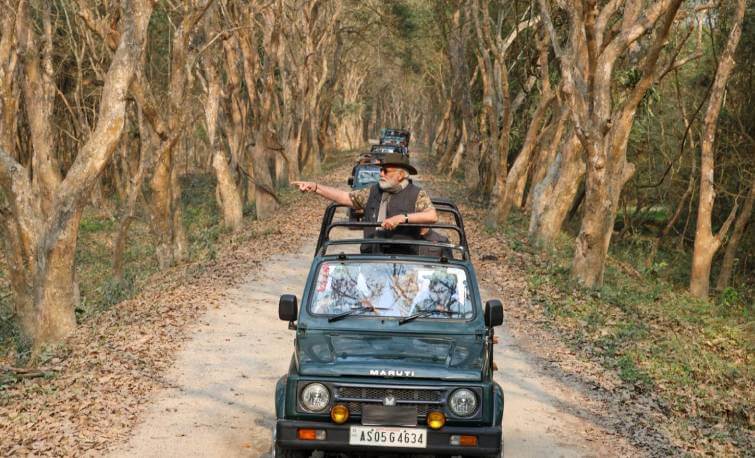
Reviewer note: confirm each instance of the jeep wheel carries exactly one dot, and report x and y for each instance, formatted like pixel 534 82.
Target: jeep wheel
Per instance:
pixel 279 452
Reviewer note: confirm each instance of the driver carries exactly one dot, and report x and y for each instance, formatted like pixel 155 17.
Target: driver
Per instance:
pixel 393 201
pixel 440 298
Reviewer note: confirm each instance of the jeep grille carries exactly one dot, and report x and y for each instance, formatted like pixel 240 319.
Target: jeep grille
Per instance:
pixel 423 399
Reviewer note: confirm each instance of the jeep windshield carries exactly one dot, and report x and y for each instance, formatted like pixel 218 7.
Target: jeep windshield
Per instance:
pixel 390 139
pixel 380 149
pixel 391 289
pixel 366 176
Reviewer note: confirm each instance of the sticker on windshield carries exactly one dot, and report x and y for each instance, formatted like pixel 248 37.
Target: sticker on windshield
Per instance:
pixel 322 280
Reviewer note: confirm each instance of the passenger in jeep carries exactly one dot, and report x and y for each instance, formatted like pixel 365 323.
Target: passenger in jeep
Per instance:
pixel 440 298
pixel 433 236
pixel 393 201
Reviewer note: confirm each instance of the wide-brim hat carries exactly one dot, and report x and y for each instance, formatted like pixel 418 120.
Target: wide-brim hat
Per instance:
pixel 398 160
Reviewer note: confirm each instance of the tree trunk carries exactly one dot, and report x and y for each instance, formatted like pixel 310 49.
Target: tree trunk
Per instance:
pixel 9 86
pixel 587 78
pixel 727 265
pixel 227 193
pixel 281 174
pixel 133 186
pixel 166 219
pixel 441 131
pixel 165 207
pixel 266 202
pixel 55 286
pixel 547 147
pixel 251 187
pixel 554 195
pixel 43 283
pixel 43 236
pixel 706 243
pixel 460 151
pixel 517 178
pixel 450 145
pixel 602 190
pixel 119 247
pixel 291 152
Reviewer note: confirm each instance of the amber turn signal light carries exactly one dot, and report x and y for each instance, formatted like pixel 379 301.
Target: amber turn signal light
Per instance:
pixel 436 420
pixel 464 440
pixel 306 434
pixel 339 414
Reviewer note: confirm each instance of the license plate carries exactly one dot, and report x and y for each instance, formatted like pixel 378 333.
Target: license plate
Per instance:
pixel 388 437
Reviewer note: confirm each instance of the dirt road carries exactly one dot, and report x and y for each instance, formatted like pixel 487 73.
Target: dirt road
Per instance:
pixel 221 402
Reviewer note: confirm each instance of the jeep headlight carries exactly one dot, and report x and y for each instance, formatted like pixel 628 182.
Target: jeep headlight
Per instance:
pixel 315 397
pixel 463 402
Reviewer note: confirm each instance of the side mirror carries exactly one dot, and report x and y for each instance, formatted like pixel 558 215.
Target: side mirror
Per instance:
pixel 287 307
pixel 351 181
pixel 493 313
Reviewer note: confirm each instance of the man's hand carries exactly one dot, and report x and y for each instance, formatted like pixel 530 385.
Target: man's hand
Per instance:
pixel 305 186
pixel 391 223
pixel 330 193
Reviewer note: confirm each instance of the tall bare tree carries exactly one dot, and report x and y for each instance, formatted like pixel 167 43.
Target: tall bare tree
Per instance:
pixel 602 127
pixel 226 191
pixel 307 41
pixel 743 220
pixel 40 222
pixel 706 242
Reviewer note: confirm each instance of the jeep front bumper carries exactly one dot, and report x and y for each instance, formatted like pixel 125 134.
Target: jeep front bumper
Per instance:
pixel 438 441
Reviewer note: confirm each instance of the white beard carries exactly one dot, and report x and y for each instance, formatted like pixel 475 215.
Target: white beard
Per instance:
pixel 389 186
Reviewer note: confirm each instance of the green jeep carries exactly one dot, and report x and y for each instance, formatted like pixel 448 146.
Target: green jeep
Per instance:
pixel 393 352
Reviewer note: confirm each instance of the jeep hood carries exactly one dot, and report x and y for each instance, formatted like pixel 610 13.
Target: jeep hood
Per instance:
pixel 456 357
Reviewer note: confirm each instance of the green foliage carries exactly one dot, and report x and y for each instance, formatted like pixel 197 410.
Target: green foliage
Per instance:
pixel 405 17
pixel 91 224
pixel 644 325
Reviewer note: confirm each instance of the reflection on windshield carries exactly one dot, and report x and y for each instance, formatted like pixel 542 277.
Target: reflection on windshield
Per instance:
pixel 392 289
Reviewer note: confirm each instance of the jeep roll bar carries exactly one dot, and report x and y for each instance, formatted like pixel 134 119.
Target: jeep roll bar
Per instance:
pixel 441 206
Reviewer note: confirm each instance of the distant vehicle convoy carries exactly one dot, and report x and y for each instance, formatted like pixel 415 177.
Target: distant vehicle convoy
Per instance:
pixel 393 351
pixel 391 141
pixel 366 171
pixel 390 136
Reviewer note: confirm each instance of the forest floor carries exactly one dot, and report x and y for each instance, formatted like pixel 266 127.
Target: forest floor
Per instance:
pixel 193 359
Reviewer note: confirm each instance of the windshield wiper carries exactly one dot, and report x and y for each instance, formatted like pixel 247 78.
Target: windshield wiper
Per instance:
pixel 424 314
pixel 354 311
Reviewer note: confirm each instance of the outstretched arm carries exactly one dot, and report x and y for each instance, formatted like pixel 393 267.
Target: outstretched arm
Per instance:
pixel 336 195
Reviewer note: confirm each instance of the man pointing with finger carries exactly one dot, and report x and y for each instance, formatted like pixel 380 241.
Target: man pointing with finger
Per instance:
pixel 393 201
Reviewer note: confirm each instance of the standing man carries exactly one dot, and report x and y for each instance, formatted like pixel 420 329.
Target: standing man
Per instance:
pixel 393 201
